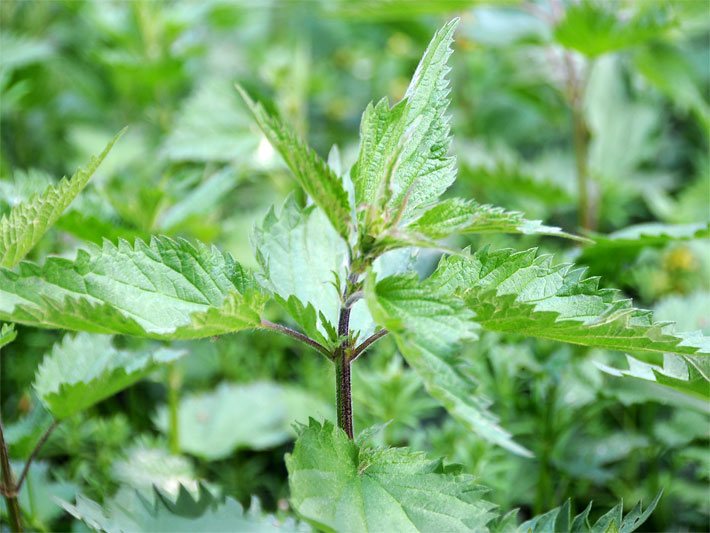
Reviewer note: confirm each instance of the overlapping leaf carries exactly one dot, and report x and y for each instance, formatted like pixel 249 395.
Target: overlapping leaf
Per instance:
pixel 166 289
pixel 339 485
pixel 129 511
pixel 302 257
pixel 24 226
pixel 525 293
pixel 312 173
pixel 561 520
pixel 687 374
pixel 84 369
pixel 457 216
pixel 427 325
pixel 7 334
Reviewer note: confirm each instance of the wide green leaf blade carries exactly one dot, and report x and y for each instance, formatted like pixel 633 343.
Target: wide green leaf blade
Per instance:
pixel 525 293
pixel 166 289
pixel 24 226
pixel 303 260
pixel 254 416
pixel 130 511
pixel 84 369
pixel 312 173
pixel 428 324
pixel 339 485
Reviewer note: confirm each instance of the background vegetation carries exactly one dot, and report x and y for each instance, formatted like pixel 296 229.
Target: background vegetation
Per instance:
pixel 549 99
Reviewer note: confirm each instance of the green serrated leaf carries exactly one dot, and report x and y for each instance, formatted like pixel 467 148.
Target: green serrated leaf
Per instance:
pixel 7 334
pixel 525 293
pixel 300 255
pixel 337 485
pixel 559 520
pixel 311 172
pixel 130 511
pixel 403 161
pixel 458 216
pixel 24 226
pixel 167 289
pixel 688 374
pixel 427 324
pixel 254 416
pixel 85 369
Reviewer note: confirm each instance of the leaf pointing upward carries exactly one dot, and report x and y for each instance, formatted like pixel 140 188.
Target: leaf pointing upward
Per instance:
pixel 28 221
pixel 311 172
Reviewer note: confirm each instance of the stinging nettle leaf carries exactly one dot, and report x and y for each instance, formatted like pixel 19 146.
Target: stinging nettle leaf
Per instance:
pixel 85 369
pixel 7 334
pixel 458 216
pixel 28 221
pixel 301 255
pixel 560 520
pixel 130 511
pixel 312 173
pixel 428 324
pixel 167 289
pixel 525 293
pixel 403 161
pixel 338 485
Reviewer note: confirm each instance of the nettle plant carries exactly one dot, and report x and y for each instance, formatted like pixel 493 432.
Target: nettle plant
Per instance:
pixel 342 267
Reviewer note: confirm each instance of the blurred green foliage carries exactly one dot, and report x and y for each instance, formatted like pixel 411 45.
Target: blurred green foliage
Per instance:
pixel 635 74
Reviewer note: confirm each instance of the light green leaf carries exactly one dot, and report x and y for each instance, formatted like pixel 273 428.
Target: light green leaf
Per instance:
pixel 38 493
pixel 593 27
pixel 560 520
pixel 28 221
pixel 403 161
pixel 652 234
pixel 457 216
pixel 254 416
pixel 311 172
pixel 146 467
pixel 211 126
pixel 525 293
pixel 427 324
pixel 166 289
pixel 84 369
pixel 301 257
pixel 129 511
pixel 688 374
pixel 338 485
pixel 7 334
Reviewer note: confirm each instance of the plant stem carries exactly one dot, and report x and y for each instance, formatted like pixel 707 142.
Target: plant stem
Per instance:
pixel 9 490
pixel 580 136
pixel 174 382
pixel 34 453
pixel 357 352
pixel 296 335
pixel 343 385
pixel 580 141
